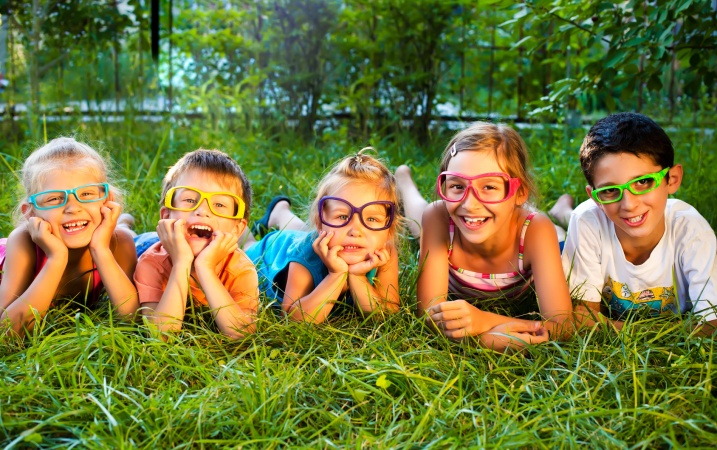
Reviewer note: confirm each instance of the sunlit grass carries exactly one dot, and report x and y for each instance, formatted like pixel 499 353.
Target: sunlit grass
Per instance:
pixel 90 381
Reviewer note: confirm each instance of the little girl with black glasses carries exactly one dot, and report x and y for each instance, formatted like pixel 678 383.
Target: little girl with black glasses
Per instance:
pixel 348 256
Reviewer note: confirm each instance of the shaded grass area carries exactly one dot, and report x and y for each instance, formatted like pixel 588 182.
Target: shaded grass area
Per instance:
pixel 86 380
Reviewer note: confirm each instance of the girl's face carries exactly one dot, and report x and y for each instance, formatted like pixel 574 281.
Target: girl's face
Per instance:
pixel 478 221
pixel 358 241
pixel 75 221
pixel 201 223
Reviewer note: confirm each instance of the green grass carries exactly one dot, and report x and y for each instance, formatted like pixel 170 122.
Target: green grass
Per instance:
pixel 87 380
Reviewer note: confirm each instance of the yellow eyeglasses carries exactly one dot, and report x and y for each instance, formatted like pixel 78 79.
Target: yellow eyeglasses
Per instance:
pixel 222 204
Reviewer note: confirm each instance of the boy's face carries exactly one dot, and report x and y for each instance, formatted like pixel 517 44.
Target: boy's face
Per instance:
pixel 202 222
pixel 639 219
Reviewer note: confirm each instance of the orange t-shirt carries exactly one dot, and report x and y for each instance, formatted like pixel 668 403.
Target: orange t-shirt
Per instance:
pixel 237 273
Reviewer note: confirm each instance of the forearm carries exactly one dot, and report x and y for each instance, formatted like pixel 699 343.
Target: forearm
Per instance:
pixel 169 312
pixel 587 314
pixel 38 296
pixel 316 306
pixel 119 287
pixel 560 326
pixel 232 320
pixel 367 296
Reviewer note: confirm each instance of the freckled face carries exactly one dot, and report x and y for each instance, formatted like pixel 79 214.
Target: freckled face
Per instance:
pixel 202 222
pixel 358 241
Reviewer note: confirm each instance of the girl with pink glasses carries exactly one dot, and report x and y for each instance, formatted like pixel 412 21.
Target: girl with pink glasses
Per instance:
pixel 485 256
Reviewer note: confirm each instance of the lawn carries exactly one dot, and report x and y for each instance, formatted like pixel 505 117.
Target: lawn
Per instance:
pixel 88 380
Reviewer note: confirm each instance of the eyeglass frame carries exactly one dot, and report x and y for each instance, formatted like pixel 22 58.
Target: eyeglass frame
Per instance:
pixel 32 199
pixel 513 183
pixel 359 211
pixel 655 176
pixel 241 205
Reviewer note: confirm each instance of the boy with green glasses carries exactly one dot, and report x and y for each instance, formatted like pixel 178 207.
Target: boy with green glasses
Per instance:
pixel 205 202
pixel 630 247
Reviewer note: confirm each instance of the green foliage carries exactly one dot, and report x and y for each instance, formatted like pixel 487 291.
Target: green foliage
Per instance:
pixel 88 380
pixel 621 50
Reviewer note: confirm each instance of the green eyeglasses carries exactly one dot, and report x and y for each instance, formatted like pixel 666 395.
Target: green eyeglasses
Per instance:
pixel 58 198
pixel 222 204
pixel 638 186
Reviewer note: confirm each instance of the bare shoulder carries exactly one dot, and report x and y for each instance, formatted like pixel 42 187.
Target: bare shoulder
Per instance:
pixel 20 240
pixel 125 241
pixel 435 220
pixel 540 234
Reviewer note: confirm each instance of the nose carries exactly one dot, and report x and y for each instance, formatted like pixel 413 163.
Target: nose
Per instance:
pixel 355 225
pixel 629 200
pixel 72 203
pixel 203 208
pixel 471 199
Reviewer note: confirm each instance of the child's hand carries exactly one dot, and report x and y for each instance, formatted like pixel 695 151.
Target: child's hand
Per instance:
pixel 456 319
pixel 522 331
pixel 376 259
pixel 102 236
pixel 171 234
pixel 329 256
pixel 222 245
pixel 47 237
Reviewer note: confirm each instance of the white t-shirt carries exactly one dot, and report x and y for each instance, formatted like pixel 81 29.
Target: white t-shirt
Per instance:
pixel 683 260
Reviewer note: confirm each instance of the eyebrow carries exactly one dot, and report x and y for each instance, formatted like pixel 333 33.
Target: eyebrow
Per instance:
pixel 618 184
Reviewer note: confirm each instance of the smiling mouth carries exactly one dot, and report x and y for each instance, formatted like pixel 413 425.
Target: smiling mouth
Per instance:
pixel 73 227
pixel 474 221
pixel 200 231
pixel 637 220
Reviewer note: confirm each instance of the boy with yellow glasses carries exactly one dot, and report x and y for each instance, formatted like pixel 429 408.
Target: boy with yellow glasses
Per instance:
pixel 205 202
pixel 630 246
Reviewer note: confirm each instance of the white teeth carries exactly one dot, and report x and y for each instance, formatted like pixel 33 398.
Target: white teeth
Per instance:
pixel 74 226
pixel 201 227
pixel 473 221
pixel 635 219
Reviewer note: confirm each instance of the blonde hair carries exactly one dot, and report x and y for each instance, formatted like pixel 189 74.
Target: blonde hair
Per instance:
pixel 359 168
pixel 61 153
pixel 216 162
pixel 507 146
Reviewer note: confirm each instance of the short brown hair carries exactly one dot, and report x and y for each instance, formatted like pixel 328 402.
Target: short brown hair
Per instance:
pixel 215 162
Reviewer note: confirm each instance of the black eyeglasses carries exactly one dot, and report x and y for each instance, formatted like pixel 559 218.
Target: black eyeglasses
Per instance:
pixel 376 216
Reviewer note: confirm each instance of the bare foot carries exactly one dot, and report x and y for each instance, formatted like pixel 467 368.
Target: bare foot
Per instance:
pixel 279 214
pixel 404 179
pixel 126 221
pixel 563 209
pixel 413 202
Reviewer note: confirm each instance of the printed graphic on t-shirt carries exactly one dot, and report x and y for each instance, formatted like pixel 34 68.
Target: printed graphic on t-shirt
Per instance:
pixel 655 301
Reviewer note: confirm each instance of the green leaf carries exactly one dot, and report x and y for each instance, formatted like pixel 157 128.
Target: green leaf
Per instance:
pixel 383 382
pixel 654 83
pixel 610 103
pixel 521 42
pixel 35 438
pixel 695 59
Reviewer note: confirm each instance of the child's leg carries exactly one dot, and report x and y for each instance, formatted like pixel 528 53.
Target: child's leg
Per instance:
pixel 281 218
pixel 127 221
pixel 563 209
pixel 413 202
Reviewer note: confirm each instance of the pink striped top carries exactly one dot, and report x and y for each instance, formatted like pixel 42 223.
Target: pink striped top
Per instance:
pixel 476 286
